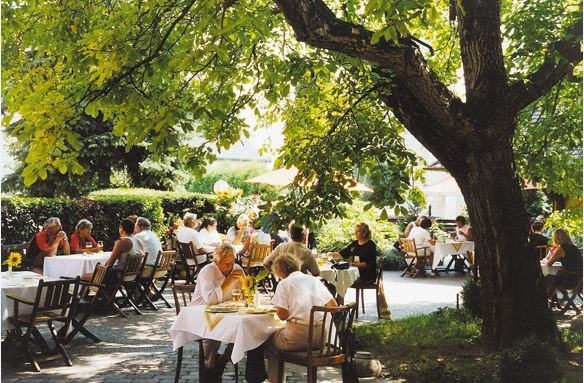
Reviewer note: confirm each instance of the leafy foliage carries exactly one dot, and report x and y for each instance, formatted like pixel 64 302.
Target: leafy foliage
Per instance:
pixel 536 203
pixel 22 217
pixel 569 220
pixel 529 360
pixel 471 297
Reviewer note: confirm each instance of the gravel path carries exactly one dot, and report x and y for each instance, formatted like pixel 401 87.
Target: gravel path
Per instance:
pixel 139 349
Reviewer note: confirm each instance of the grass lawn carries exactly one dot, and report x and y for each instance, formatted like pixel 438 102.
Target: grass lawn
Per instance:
pixel 445 346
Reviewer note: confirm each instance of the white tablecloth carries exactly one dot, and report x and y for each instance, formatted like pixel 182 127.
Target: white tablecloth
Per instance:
pixel 441 250
pixel 73 265
pixel 342 279
pixel 550 270
pixel 245 331
pixel 22 283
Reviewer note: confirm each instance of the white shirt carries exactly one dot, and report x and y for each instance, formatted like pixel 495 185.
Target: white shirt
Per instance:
pixel 464 229
pixel 298 292
pixel 420 235
pixel 152 245
pixel 188 234
pixel 207 238
pixel 208 289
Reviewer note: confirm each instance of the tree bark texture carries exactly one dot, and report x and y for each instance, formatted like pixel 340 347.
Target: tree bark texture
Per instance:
pixel 472 139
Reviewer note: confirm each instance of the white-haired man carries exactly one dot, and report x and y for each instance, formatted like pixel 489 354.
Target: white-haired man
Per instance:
pixel 214 284
pixel 152 245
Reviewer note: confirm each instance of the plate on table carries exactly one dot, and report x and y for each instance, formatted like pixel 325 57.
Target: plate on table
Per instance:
pixel 221 309
pixel 259 310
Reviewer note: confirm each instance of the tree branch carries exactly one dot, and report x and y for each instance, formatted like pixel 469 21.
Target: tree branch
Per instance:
pixel 557 65
pixel 315 24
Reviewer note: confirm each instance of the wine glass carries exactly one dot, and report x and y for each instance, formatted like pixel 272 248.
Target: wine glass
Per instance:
pixel 236 295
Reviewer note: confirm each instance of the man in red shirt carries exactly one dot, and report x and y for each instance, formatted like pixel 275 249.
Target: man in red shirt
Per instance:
pixel 47 243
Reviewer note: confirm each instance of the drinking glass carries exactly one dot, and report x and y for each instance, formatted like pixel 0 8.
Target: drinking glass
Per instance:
pixel 88 247
pixel 100 246
pixel 236 295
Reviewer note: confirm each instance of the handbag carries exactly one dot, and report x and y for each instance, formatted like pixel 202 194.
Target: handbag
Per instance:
pixel 342 265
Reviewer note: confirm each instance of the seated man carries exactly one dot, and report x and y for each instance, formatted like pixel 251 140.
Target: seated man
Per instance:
pixel 152 245
pixel 296 248
pixel 50 241
pixel 214 285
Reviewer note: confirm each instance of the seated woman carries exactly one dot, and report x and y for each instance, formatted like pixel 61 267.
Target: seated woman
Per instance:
pixel 294 298
pixel 236 235
pixel 208 234
pixel 127 245
pixel 47 243
pixel 571 259
pixel 362 252
pixel 82 236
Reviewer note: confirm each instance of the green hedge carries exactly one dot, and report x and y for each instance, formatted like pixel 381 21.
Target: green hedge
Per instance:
pixel 22 216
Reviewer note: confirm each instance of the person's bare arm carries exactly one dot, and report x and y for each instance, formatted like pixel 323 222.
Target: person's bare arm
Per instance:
pixel 408 229
pixel 555 256
pixel 331 303
pixel 121 246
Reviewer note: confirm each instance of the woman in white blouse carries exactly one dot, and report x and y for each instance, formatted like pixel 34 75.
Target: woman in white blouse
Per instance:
pixel 294 297
pixel 208 234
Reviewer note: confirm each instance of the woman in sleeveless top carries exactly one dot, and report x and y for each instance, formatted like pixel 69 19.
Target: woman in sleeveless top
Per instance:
pixel 127 245
pixel 570 257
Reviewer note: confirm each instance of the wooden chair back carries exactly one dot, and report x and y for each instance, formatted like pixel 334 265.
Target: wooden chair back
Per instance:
pixel 183 294
pixel 541 251
pixel 133 267
pixel 408 247
pixel 56 295
pixel 97 277
pixel 257 254
pixel 164 263
pixel 331 333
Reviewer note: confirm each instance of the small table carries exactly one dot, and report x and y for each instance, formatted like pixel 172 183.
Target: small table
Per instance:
pixel 245 331
pixel 441 250
pixel 550 270
pixel 73 265
pixel 22 283
pixel 342 279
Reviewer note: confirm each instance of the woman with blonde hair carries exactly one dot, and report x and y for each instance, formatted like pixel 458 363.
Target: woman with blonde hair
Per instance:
pixel 570 257
pixel 236 235
pixel 82 236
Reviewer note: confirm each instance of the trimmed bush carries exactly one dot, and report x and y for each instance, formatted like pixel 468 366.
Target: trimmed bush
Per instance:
pixel 529 360
pixel 22 217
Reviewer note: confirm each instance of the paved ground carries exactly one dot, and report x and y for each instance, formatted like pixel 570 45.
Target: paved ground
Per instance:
pixel 139 349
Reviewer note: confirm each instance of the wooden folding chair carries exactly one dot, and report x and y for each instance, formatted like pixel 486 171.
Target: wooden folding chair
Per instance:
pixel 183 294
pixel 334 333
pixel 90 294
pixel 255 257
pixel 411 251
pixel 569 293
pixel 126 284
pixel 54 302
pixel 188 257
pixel 161 270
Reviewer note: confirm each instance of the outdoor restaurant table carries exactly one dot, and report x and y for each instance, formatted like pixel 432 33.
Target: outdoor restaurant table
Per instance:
pixel 73 265
pixel 342 279
pixel 441 250
pixel 245 331
pixel 22 283
pixel 550 270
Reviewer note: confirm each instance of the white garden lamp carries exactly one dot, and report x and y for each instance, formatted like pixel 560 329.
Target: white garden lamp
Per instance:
pixel 221 187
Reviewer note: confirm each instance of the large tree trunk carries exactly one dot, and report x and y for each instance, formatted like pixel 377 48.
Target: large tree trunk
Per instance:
pixel 514 299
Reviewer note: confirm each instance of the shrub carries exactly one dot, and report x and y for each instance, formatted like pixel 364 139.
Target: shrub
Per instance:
pixel 569 220
pixel 529 360
pixel 337 233
pixel 471 297
pixel 22 217
pixel 392 259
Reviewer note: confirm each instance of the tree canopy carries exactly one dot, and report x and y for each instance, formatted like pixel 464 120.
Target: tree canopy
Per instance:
pixel 341 75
